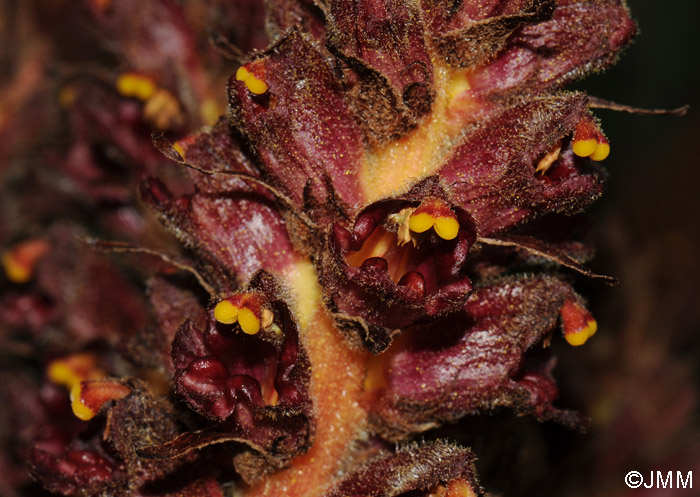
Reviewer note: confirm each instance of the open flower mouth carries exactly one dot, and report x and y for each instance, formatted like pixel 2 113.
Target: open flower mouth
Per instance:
pixel 570 154
pixel 418 249
pixel 247 359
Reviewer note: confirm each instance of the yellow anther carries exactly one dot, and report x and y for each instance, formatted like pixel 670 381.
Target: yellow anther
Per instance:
pixel 421 222
pixel 15 270
pixel 447 227
pixel 135 85
pixel 60 373
pixel 162 110
pixel 254 84
pixel 80 410
pixel 602 151
pixel 584 148
pixel 580 337
pixel 19 261
pixel 225 312
pixel 250 324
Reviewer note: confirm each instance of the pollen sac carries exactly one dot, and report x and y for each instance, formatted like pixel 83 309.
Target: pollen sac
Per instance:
pixel 429 469
pixel 434 213
pixel 70 371
pixel 578 324
pixel 491 353
pixel 249 310
pixel 136 85
pixel 254 83
pixel 247 371
pixel 88 397
pixel 19 261
pixel 588 141
pixel 401 261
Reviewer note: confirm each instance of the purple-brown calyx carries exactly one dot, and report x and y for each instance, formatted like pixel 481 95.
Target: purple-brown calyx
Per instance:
pixel 490 354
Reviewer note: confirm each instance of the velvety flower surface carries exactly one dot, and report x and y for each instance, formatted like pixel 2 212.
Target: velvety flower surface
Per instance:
pixel 373 239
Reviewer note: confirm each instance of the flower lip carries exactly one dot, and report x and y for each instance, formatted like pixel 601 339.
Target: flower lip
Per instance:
pixel 248 354
pixel 417 247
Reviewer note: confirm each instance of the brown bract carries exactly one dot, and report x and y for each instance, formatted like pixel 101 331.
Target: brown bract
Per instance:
pixel 489 355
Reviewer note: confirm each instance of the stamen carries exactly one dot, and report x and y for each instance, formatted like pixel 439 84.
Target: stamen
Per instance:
pixel 88 397
pixel 134 85
pixel 578 324
pixel 246 310
pixel 589 141
pixel 71 370
pixel 584 148
pixel 162 110
pixel 253 83
pixel 20 261
pixel 250 324
pixel 447 227
pixel 80 410
pixel 421 222
pixel 403 231
pixel 434 213
pixel 546 162
pixel 225 312
pixel 267 318
pixel 602 149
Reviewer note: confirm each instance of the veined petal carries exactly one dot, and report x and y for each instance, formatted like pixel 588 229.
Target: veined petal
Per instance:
pixel 483 358
pixel 581 37
pixel 233 226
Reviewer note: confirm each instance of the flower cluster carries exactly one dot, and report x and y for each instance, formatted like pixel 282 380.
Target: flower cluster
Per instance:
pixel 378 235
